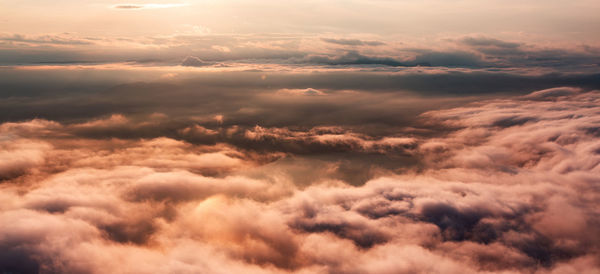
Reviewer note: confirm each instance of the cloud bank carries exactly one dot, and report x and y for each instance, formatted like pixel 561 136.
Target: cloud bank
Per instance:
pixel 473 52
pixel 500 185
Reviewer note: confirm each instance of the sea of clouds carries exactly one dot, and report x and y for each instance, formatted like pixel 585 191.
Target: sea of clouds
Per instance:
pixel 499 185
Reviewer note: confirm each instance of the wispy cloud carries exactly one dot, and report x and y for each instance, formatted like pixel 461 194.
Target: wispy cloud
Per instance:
pixel 148 6
pixel 352 42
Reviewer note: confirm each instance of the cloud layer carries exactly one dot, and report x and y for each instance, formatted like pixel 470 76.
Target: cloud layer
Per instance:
pixel 501 185
pixel 271 136
pixel 198 47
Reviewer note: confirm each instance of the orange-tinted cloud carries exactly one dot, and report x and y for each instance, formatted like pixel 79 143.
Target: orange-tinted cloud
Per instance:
pixel 509 187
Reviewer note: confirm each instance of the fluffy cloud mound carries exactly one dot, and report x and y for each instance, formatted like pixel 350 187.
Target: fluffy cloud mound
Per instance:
pixel 500 186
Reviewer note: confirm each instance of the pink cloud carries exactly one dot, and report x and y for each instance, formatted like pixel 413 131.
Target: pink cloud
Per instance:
pixel 509 187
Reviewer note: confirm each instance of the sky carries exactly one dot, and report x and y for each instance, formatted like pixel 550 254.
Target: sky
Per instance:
pixel 259 136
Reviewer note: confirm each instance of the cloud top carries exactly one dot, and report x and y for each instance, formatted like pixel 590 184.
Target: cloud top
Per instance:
pixel 506 186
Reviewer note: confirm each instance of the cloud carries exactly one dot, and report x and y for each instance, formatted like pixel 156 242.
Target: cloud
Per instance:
pixel 489 42
pixel 59 39
pixel 352 42
pixel 273 51
pixel 449 59
pixel 508 186
pixel 192 61
pixel 353 58
pixel 20 156
pixel 501 53
pixel 147 6
pixel 552 93
pixel 423 58
pixel 305 92
pixel 352 98
pixel 301 141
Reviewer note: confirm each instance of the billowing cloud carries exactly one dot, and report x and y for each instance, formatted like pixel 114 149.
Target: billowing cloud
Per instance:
pixel 505 185
pixel 300 137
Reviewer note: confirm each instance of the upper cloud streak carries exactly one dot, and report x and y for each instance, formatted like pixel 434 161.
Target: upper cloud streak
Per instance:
pixel 352 42
pixel 147 6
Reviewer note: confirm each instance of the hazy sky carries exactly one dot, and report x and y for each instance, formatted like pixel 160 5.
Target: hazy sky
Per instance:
pixel 111 31
pixel 573 21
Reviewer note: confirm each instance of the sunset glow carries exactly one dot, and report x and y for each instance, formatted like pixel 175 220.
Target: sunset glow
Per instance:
pixel 263 136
